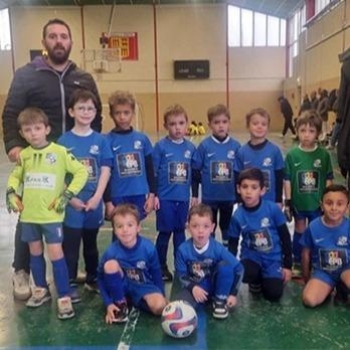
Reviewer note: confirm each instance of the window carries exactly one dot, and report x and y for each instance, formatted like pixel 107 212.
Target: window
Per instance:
pixel 259 29
pixel 5 36
pixel 248 28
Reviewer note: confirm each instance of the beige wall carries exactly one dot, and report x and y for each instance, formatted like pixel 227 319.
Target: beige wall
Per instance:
pixel 183 32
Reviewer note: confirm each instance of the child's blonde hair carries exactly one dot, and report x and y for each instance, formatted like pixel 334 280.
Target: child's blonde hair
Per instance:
pixel 121 98
pixel 174 110
pixel 32 115
pixel 217 110
pixel 126 209
pixel 312 118
pixel 200 210
pixel 260 111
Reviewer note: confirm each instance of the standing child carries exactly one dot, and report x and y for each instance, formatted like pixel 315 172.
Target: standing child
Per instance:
pixel 266 252
pixel 326 248
pixel 207 271
pixel 129 269
pixel 172 159
pixel 84 214
pixel 215 158
pixel 41 171
pixel 132 177
pixel 308 170
pixel 261 153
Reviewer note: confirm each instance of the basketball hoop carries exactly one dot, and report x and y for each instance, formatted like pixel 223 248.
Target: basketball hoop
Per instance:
pixel 102 60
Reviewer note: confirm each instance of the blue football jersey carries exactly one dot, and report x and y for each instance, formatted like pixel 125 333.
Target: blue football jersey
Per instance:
pixel 216 161
pixel 173 168
pixel 268 159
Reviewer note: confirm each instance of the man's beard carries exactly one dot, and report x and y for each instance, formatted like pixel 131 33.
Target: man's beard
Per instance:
pixel 58 57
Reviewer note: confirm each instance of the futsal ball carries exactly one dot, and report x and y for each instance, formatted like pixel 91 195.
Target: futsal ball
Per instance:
pixel 179 319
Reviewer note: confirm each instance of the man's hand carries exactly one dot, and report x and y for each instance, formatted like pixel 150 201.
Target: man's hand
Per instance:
pixel 59 204
pixel 13 201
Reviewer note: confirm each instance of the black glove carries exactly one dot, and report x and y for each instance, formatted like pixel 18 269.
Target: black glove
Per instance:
pixel 288 211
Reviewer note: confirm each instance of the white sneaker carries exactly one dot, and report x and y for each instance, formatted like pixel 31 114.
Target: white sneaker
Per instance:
pixel 65 308
pixel 39 297
pixel 21 287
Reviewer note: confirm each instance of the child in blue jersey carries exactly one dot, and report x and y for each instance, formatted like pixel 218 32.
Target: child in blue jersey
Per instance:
pixel 261 153
pixel 172 160
pixel 84 214
pixel 326 248
pixel 308 170
pixel 41 172
pixel 266 252
pixel 132 177
pixel 206 269
pixel 215 159
pixel 129 269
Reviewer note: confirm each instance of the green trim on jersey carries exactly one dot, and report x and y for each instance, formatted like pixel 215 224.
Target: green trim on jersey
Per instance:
pixel 307 173
pixel 42 174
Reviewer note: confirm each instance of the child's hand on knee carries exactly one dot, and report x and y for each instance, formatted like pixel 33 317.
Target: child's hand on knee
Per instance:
pixel 199 294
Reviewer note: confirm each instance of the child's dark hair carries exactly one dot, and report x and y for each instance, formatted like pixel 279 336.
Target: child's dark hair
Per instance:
pixel 81 95
pixel 251 174
pixel 56 21
pixel 126 209
pixel 32 115
pixel 312 118
pixel 336 188
pixel 174 110
pixel 261 111
pixel 121 98
pixel 200 210
pixel 217 110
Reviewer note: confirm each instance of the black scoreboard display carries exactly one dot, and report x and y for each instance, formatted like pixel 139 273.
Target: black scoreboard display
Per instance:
pixel 191 69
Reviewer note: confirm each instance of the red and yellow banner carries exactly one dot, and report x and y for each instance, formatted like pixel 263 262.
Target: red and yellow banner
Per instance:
pixel 127 43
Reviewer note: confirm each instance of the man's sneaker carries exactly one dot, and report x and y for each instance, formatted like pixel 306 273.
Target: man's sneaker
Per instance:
pixel 39 297
pixel 296 271
pixel 21 287
pixel 81 277
pixel 74 294
pixel 166 274
pixel 220 309
pixel 92 287
pixel 254 288
pixel 121 316
pixel 65 308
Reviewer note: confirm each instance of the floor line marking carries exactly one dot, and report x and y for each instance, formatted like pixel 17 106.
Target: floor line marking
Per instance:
pixel 129 329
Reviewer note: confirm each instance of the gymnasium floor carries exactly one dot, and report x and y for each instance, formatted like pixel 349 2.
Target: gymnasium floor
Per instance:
pixel 254 324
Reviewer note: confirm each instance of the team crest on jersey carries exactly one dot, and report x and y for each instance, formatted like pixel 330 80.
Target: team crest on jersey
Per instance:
pixel 265 222
pixel 267 161
pixel 137 144
pixel 317 163
pixel 187 154
pixel 51 158
pixel 141 264
pixel 342 241
pixel 94 149
pixel 231 154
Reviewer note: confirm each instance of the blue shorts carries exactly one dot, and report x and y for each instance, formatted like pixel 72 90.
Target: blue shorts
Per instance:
pixel 270 268
pixel 309 215
pixel 172 215
pixel 139 201
pixel 35 232
pixel 136 291
pixel 331 279
pixel 92 219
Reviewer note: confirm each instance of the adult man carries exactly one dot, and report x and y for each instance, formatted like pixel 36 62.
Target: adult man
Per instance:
pixel 47 83
pixel 287 112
